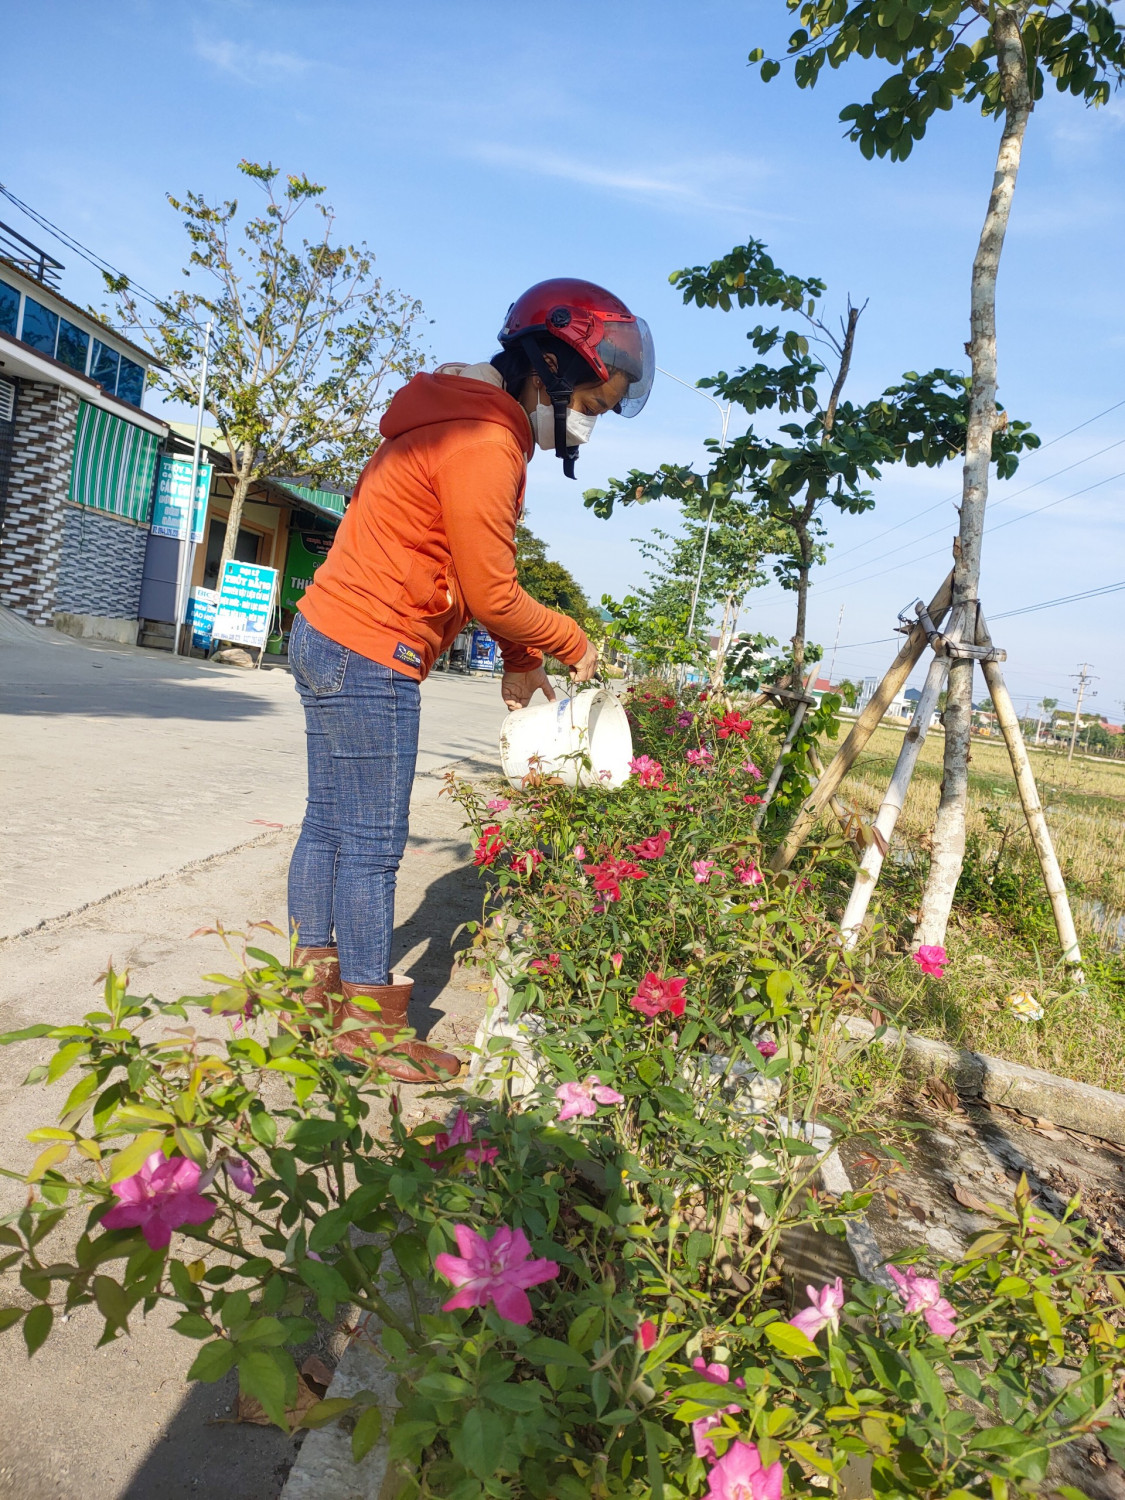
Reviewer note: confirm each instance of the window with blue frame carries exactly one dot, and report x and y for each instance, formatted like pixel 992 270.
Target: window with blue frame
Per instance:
pixel 130 382
pixel 74 345
pixel 9 308
pixel 104 366
pixel 40 326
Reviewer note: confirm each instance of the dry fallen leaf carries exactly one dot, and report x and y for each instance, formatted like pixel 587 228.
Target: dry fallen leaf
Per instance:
pixel 312 1382
pixel 969 1200
pixel 943 1093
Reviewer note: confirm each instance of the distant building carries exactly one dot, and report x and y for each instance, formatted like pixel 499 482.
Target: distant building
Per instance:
pixel 77 454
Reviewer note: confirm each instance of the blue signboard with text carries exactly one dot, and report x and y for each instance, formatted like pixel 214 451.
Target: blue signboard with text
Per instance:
pixel 170 502
pixel 247 593
pixel 201 617
pixel 482 652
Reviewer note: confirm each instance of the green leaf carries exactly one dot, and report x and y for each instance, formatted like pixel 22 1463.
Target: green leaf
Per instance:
pixel 129 1162
pixel 326 1411
pixel 36 1327
pixel 213 1361
pixel 330 1228
pixel 263 1127
pixel 29 1033
pixel 64 1059
pixel 260 1376
pixel 262 1333
pixel 442 1386
pixel 411 1253
pixel 9 1317
pixel 112 1302
pixel 1007 1441
pixel 49 1157
pixel 583 1330
pixel 542 1351
pixel 193 1325
pixel 366 1433
pixel 526 1396
pixel 929 1386
pixel 791 1342
pixel 477 1441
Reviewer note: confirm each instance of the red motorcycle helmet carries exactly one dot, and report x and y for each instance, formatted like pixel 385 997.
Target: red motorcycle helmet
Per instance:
pixel 597 326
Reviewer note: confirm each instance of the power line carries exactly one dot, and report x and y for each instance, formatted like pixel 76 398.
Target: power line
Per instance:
pixel 1027 609
pixel 88 255
pixel 956 494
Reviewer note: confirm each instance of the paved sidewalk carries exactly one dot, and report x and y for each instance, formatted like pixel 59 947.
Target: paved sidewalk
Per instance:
pixel 118 764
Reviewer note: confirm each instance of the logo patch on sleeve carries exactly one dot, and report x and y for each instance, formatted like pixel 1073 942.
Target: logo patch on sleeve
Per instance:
pixel 407 655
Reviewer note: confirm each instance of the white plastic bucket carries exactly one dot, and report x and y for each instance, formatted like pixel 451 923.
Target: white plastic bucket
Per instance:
pixel 557 734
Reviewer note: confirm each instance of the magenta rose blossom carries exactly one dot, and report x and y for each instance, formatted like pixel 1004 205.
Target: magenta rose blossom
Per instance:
pixel 931 960
pixel 161 1197
pixel 701 870
pixel 241 1173
pixel 923 1294
pixel 498 1270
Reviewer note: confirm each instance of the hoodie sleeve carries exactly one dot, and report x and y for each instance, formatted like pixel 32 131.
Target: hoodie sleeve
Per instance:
pixel 479 488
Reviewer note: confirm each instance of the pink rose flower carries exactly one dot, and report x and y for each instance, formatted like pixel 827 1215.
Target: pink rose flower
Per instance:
pixel 748 873
pixel 739 1475
pixel 545 965
pixel 686 719
pixel 702 1427
pixel 527 864
pixel 582 1099
pixel 498 804
pixel 609 874
pixel 931 959
pixel 923 1294
pixel 462 1135
pixel 700 757
pixel 751 769
pixel 579 851
pixel 498 1270
pixel 649 772
pixel 617 959
pixel 161 1197
pixel 701 869
pixel 766 1046
pixel 241 1173
pixel 717 1374
pixel 823 1309
pixel 752 800
pixel 655 995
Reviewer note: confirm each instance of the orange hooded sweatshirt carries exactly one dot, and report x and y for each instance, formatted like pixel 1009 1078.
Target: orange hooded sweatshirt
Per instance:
pixel 429 539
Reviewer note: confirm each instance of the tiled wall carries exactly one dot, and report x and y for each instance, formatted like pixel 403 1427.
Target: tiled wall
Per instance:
pixel 32 538
pixel 101 564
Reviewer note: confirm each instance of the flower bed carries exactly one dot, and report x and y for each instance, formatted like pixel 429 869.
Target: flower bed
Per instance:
pixel 607 1245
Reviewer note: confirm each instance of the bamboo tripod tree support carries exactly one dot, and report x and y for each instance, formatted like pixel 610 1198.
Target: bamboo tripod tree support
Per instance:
pixel 947 648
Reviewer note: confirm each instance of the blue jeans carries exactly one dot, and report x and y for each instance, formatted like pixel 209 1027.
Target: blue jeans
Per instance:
pixel 361 724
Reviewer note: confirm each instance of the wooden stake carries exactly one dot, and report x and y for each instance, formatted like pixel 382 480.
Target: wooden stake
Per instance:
pixel 887 817
pixel 1032 807
pixel 861 731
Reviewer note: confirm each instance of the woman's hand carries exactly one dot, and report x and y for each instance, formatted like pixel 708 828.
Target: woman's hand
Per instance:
pixel 517 688
pixel 586 668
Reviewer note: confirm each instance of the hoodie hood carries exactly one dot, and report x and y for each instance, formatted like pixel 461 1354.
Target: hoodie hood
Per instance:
pixel 449 397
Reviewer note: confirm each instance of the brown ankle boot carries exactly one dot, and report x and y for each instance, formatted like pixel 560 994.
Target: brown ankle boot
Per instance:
pixel 327 966
pixel 411 1061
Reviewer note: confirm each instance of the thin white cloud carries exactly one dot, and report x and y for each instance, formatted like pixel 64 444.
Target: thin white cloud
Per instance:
pixel 249 64
pixel 716 183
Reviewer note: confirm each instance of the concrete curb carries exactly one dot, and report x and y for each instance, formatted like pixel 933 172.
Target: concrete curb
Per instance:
pixel 1077 1106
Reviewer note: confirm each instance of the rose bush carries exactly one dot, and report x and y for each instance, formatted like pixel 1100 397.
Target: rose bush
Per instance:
pixel 579 1290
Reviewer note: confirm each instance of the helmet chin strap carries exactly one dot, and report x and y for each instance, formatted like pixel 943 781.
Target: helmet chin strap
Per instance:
pixel 560 392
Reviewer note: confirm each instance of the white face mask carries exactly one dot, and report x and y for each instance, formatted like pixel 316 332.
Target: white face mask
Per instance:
pixel 579 426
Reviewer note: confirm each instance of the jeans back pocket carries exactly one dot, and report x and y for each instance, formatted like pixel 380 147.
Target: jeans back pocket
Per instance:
pixel 318 662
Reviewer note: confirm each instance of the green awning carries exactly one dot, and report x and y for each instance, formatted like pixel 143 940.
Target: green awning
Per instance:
pixel 114 464
pixel 325 500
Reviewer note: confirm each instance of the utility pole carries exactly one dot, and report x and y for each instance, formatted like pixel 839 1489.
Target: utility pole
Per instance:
pixel 1084 676
pixel 187 547
pixel 835 643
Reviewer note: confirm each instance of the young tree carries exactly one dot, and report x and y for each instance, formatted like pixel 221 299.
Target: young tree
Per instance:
pixel 999 55
pixel 823 460
pixel 551 583
pixel 305 338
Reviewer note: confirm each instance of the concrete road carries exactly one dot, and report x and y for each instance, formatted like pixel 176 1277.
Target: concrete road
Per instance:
pixel 130 773
pixel 119 764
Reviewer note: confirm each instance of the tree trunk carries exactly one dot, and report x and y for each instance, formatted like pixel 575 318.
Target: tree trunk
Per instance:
pixel 726 633
pixel 802 611
pixel 242 481
pixel 949 826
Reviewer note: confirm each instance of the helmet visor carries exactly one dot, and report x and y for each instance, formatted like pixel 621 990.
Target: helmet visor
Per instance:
pixel 628 348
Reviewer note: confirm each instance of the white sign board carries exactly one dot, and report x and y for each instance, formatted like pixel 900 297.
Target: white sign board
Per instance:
pixel 246 595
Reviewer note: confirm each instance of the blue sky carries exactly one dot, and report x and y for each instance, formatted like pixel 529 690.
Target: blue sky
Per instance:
pixel 478 148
